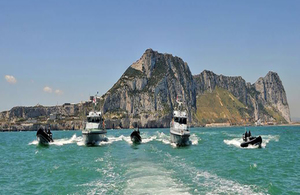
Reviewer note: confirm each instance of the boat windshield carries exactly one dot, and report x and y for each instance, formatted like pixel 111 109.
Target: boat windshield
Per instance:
pixel 93 119
pixel 180 120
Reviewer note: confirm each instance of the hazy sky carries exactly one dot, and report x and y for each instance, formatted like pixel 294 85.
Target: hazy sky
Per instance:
pixel 52 52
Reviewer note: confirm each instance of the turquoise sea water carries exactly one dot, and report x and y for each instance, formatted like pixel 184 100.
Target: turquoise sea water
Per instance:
pixel 213 164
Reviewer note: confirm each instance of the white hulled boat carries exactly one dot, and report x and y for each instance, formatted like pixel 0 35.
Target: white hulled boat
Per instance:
pixel 94 131
pixel 179 132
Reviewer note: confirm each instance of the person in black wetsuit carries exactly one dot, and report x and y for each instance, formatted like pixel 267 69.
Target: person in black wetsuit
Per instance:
pixel 249 134
pixel 49 133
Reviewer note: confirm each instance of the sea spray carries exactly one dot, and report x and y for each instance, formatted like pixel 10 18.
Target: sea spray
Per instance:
pixel 64 141
pixel 60 142
pixel 194 139
pixel 265 140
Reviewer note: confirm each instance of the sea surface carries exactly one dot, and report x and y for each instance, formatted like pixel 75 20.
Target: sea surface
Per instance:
pixel 213 164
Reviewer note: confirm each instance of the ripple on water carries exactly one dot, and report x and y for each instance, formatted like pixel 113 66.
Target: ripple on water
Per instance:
pixel 205 181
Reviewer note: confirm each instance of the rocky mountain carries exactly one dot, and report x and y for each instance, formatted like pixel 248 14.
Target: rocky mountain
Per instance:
pixel 264 100
pixel 271 95
pixel 208 81
pixel 145 96
pixel 146 93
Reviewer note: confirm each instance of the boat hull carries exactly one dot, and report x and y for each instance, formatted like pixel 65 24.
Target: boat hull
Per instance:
pixel 135 137
pixel 93 137
pixel 43 138
pixel 256 141
pixel 180 140
pixel 136 140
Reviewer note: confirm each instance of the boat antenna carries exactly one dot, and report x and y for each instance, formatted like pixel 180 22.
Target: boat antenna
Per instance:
pixel 178 100
pixel 95 101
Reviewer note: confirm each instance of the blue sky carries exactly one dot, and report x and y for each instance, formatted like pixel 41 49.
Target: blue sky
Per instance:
pixel 81 47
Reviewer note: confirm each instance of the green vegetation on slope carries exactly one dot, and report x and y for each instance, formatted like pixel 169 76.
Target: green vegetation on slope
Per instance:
pixel 133 73
pixel 158 73
pixel 272 112
pixel 221 106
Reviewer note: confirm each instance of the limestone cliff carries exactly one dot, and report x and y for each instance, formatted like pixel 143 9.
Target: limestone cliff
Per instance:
pixel 208 81
pixel 265 99
pixel 146 93
pixel 272 94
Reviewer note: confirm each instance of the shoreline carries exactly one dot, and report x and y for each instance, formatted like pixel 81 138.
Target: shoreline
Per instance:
pixel 119 129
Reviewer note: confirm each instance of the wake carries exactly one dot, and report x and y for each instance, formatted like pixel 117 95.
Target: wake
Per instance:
pixel 161 137
pixel 207 182
pixel 158 136
pixel 60 142
pixel 265 140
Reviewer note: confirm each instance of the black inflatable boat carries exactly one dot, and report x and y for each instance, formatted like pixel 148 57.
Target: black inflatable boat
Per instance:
pixel 249 140
pixel 44 137
pixel 136 137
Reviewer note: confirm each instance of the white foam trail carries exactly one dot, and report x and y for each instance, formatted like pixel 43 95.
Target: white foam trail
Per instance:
pixel 163 138
pixel 207 182
pixel 60 142
pixel 108 141
pixel 152 179
pixel 127 139
pixel 217 185
pixel 108 183
pixel 166 139
pixel 194 139
pixel 80 143
pixel 160 136
pixel 146 140
pixel 235 142
pixel 265 140
pixel 64 141
pixel 34 142
pixel 120 138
